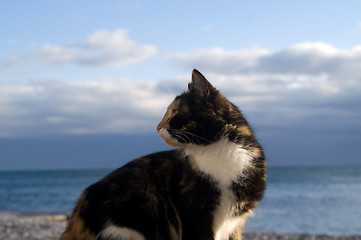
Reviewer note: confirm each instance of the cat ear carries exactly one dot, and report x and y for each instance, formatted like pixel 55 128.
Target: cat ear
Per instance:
pixel 199 84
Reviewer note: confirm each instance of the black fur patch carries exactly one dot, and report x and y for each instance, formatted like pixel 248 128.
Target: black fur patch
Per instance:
pixel 141 197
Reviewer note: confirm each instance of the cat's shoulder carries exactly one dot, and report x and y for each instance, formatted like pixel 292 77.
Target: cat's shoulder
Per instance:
pixel 137 172
pixel 148 163
pixel 174 154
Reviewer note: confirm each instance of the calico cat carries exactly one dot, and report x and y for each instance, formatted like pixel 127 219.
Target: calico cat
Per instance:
pixel 204 189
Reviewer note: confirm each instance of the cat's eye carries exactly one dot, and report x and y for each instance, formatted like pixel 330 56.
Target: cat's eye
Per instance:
pixel 174 112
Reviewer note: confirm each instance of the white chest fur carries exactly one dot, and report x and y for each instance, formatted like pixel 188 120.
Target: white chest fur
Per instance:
pixel 224 161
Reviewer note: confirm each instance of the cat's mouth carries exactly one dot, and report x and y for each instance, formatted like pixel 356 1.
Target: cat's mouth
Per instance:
pixel 169 139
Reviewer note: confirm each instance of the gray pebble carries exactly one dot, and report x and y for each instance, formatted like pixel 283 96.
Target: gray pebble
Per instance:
pixel 49 227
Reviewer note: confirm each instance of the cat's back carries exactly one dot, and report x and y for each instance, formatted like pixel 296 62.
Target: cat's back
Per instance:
pixel 131 192
pixel 155 165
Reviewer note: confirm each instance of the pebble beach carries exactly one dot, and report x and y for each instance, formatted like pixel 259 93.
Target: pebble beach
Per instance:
pixel 49 227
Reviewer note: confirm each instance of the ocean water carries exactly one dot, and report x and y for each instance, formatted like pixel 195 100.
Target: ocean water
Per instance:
pixel 320 200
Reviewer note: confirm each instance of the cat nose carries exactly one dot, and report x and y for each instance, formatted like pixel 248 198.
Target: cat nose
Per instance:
pixel 158 129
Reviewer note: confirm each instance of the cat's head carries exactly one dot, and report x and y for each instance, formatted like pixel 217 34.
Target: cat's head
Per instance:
pixel 201 116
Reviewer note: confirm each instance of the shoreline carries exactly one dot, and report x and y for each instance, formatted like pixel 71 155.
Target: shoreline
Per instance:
pixel 41 226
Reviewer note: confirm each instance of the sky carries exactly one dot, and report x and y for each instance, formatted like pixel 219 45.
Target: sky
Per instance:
pixel 83 84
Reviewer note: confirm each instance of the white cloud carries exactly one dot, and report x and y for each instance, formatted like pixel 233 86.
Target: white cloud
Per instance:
pixel 56 54
pixel 317 66
pixel 56 107
pixel 220 60
pixel 304 58
pixel 123 105
pixel 313 83
pixel 102 48
pixel 304 82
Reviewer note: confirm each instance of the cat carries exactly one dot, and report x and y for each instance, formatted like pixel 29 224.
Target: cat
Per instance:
pixel 203 189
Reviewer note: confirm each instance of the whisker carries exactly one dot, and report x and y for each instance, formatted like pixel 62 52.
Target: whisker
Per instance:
pixel 179 136
pixel 194 135
pixel 169 90
pixel 189 137
pixel 175 133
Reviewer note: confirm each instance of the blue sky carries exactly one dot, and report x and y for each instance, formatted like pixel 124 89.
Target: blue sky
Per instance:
pixel 88 70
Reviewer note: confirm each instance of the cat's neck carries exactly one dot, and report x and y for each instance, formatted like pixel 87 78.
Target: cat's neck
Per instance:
pixel 223 160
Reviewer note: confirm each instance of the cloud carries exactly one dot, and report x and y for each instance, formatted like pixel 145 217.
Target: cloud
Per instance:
pixel 57 55
pixel 102 48
pixel 219 60
pixel 317 66
pixel 58 107
pixel 121 105
pixel 314 58
pixel 305 84
pixel 303 58
pixel 308 83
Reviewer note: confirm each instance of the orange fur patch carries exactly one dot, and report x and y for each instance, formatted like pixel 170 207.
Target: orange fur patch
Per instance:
pixel 76 229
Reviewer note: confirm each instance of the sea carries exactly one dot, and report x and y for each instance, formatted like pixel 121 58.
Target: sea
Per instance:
pixel 318 200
